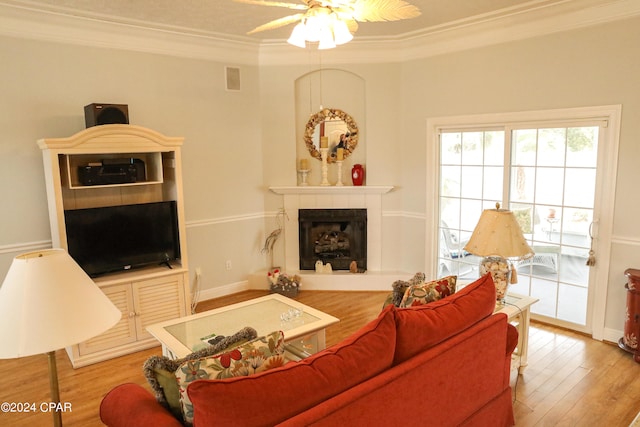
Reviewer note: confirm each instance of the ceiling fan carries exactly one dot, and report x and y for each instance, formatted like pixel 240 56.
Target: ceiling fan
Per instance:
pixel 332 22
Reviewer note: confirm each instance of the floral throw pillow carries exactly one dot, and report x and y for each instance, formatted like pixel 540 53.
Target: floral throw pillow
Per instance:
pixel 255 356
pixel 427 292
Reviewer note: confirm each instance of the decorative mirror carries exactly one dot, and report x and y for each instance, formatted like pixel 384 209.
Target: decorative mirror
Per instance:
pixel 337 126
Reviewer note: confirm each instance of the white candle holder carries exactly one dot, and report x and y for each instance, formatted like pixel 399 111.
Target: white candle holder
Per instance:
pixel 339 183
pixel 325 169
pixel 303 177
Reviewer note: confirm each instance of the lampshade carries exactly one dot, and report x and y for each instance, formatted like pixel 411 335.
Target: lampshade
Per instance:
pixel 298 34
pixel 48 302
pixel 498 234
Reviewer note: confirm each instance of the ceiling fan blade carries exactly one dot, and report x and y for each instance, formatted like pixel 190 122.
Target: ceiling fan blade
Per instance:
pixel 277 23
pixel 383 10
pixel 274 3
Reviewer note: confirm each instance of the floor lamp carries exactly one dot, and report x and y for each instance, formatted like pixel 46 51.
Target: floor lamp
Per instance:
pixel 47 302
pixel 498 238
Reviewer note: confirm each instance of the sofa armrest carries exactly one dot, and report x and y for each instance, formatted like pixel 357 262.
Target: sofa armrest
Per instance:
pixel 512 339
pixel 131 405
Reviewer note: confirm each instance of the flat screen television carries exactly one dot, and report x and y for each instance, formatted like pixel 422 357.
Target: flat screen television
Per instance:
pixel 116 238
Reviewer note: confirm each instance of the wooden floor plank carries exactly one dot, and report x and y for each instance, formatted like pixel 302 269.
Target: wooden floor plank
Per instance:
pixel 571 380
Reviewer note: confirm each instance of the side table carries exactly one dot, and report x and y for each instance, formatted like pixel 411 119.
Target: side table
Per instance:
pixel 517 308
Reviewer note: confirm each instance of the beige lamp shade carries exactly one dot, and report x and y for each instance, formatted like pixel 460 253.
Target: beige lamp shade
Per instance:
pixel 498 234
pixel 48 302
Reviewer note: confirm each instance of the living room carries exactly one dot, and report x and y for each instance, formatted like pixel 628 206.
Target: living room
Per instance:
pixel 239 143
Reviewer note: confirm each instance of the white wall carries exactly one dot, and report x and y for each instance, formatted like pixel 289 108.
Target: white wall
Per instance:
pixel 237 144
pixel 43 89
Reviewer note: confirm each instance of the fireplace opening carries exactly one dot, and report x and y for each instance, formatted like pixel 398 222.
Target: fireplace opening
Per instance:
pixel 336 236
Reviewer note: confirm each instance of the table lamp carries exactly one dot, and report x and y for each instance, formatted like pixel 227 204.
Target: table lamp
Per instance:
pixel 498 238
pixel 47 302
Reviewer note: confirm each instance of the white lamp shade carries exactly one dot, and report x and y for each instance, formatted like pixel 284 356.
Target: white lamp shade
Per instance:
pixel 341 32
pixel 48 302
pixel 298 35
pixel 326 39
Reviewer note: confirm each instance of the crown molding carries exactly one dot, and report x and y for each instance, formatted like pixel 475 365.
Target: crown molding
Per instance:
pixel 517 23
pixel 511 24
pixel 28 23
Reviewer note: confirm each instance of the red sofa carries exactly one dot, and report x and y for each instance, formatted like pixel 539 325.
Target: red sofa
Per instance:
pixel 446 363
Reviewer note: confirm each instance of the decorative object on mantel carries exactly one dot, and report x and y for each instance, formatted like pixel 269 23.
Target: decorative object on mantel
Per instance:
pixel 357 174
pixel 324 151
pixel 304 172
pixel 323 268
pixel 339 129
pixel 498 237
pixel 283 284
pixel 272 238
pixel 339 182
pixel 353 267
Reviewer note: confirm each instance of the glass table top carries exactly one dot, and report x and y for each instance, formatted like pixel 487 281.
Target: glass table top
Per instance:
pixel 264 316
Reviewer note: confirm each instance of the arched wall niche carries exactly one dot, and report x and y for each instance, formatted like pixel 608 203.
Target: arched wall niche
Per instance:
pixel 330 88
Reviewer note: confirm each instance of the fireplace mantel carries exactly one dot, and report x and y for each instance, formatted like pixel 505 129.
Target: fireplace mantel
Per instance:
pixel 333 190
pixel 333 197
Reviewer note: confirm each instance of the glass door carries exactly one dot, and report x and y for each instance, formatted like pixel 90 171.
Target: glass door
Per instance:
pixel 547 177
pixel 552 194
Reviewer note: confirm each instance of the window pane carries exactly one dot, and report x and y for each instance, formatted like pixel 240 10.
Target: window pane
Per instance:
pixel 472 148
pixel 582 147
pixel 494 148
pixel 450 181
pixel 572 304
pixel 549 185
pixel 451 148
pixel 524 147
pixel 471 182
pixel 580 187
pixel 493 182
pixel 522 184
pixel 551 147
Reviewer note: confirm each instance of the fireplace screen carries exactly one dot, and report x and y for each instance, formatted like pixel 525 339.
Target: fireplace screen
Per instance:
pixel 336 236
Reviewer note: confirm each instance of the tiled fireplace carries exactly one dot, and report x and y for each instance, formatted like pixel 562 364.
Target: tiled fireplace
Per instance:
pixel 368 198
pixel 347 197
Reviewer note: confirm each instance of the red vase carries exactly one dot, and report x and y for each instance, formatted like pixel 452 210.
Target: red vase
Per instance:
pixel 357 174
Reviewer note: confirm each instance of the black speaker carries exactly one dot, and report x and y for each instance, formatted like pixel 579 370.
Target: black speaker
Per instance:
pixel 106 114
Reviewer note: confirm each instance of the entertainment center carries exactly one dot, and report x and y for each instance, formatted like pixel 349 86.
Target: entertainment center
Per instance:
pixel 143 267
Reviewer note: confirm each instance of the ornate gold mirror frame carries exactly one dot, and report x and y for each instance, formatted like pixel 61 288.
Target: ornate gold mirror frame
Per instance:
pixel 335 124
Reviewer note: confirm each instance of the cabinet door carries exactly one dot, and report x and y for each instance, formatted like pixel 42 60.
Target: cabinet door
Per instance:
pixel 124 332
pixel 157 300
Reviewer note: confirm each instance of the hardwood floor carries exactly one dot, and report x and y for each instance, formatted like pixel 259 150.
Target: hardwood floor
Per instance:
pixel 571 379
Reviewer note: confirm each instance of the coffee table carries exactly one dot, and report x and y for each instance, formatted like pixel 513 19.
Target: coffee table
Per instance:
pixel 303 326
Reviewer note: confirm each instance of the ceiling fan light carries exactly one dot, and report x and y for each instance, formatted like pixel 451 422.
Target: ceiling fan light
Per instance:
pixel 341 32
pixel 326 39
pixel 313 29
pixel 298 36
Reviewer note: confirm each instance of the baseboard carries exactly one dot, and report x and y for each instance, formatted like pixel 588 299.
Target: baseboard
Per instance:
pixel 337 280
pixel 612 335
pixel 222 291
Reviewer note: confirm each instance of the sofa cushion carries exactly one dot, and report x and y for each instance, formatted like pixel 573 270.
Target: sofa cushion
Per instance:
pixel 258 355
pixel 160 370
pixel 421 327
pixel 361 356
pixel 423 293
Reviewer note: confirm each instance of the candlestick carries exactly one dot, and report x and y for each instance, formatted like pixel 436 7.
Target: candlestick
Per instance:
pixel 325 170
pixel 303 177
pixel 339 183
